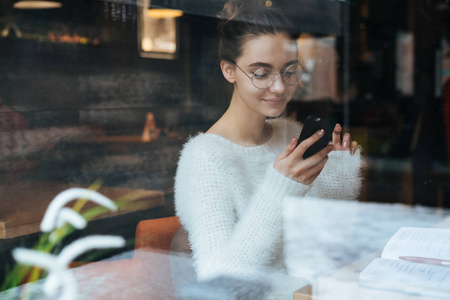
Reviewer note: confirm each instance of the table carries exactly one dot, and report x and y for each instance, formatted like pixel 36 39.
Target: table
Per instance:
pixel 23 204
pixel 131 138
pixel 147 275
pixel 343 284
pixel 118 139
pixel 150 274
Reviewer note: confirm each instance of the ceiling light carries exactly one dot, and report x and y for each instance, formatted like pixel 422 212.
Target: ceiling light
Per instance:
pixel 37 4
pixel 159 13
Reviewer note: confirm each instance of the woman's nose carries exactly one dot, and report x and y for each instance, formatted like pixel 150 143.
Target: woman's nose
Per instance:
pixel 278 86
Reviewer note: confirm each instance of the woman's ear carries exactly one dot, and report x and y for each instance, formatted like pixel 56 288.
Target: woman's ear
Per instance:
pixel 228 71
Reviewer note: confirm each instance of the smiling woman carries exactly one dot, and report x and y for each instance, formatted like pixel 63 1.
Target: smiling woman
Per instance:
pixel 231 180
pixel 268 95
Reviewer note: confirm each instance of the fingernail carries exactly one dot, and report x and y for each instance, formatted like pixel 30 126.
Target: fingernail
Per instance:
pixel 344 145
pixel 293 141
pixel 320 132
pixel 353 150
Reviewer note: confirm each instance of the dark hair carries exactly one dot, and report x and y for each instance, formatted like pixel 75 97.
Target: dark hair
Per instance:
pixel 242 20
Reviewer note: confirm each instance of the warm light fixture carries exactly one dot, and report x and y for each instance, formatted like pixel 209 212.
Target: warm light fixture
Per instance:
pixel 37 4
pixel 160 13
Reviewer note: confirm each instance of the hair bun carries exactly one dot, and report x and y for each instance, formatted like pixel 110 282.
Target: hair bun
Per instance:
pixel 234 8
pixel 244 19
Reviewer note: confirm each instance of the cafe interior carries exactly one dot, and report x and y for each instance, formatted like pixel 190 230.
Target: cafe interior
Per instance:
pixel 102 95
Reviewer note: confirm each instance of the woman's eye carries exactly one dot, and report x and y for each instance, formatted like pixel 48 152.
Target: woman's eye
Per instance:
pixel 261 73
pixel 260 76
pixel 290 73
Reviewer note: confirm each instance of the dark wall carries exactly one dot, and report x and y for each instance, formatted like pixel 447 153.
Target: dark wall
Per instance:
pixel 104 87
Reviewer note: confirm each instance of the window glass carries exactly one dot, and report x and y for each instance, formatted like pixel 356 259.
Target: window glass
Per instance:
pixel 103 95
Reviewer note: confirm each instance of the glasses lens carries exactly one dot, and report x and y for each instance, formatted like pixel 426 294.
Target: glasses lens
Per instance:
pixel 262 77
pixel 293 74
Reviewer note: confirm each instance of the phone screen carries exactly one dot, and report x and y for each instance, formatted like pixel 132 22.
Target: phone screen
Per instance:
pixel 311 126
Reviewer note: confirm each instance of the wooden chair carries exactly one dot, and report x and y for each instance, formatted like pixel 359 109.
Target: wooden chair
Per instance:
pixel 156 233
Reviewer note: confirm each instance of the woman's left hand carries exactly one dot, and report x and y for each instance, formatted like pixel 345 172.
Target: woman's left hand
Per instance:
pixel 346 144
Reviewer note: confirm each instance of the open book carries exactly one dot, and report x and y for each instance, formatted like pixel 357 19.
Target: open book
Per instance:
pixel 407 275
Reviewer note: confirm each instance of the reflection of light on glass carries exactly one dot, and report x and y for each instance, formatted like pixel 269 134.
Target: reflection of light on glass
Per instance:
pixel 164 13
pixel 172 47
pixel 37 4
pixel 158 31
pixel 165 45
pixel 159 35
pixel 147 44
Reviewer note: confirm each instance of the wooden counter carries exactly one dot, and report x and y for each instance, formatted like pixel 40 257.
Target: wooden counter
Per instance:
pixel 23 204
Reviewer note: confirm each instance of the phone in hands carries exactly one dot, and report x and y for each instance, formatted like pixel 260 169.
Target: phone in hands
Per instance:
pixel 311 126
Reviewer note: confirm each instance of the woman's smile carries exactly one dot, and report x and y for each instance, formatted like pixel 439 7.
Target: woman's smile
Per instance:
pixel 274 101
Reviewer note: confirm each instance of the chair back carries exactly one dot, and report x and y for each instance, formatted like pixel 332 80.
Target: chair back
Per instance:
pixel 156 233
pixel 155 240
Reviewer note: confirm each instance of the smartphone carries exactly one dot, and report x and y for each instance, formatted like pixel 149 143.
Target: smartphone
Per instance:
pixel 311 126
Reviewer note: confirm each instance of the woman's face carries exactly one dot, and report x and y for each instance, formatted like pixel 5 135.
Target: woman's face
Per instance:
pixel 275 52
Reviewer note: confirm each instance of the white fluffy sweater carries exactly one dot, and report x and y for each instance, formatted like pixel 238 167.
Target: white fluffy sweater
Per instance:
pixel 229 198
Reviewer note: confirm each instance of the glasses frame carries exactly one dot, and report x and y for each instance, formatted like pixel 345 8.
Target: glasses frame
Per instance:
pixel 274 76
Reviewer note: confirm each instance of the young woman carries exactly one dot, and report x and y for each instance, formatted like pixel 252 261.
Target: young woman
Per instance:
pixel 231 180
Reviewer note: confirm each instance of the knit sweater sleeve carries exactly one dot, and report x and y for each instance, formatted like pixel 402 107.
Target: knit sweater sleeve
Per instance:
pixel 222 242
pixel 340 178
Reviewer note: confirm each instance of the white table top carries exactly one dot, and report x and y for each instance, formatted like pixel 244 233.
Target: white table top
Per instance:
pixel 343 235
pixel 341 238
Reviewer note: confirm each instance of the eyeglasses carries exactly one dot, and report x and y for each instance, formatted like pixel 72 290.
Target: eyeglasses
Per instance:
pixel 264 77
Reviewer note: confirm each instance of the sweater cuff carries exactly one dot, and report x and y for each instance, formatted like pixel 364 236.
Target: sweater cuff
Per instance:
pixel 341 176
pixel 336 165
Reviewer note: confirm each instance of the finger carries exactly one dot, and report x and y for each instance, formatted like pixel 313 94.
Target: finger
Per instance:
pixel 337 136
pixel 288 150
pixel 308 176
pixel 321 154
pixel 346 141
pixel 315 176
pixel 303 146
pixel 319 170
pixel 316 158
pixel 353 147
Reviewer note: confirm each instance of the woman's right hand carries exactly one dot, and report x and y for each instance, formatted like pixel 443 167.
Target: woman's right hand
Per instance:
pixel 290 162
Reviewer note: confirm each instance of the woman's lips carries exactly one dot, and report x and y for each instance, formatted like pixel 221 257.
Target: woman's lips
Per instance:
pixel 276 101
